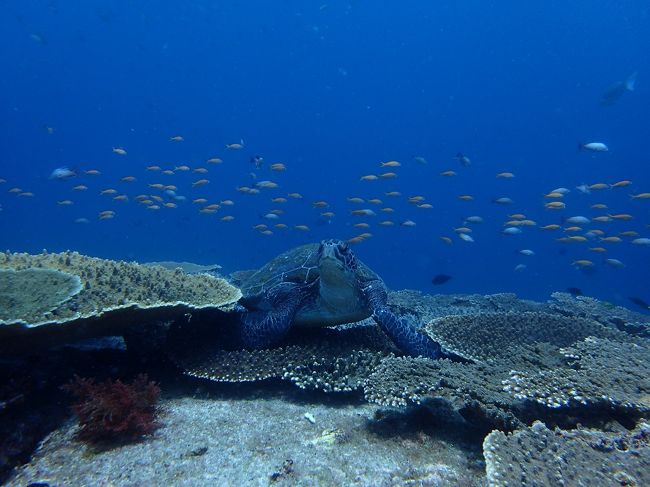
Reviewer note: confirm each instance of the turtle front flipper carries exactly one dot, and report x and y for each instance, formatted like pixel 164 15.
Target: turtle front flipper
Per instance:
pixel 405 335
pixel 402 331
pixel 262 329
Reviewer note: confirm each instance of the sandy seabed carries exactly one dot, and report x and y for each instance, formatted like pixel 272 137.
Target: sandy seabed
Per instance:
pixel 261 441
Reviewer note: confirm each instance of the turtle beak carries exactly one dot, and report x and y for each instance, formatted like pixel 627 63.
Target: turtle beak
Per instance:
pixel 329 252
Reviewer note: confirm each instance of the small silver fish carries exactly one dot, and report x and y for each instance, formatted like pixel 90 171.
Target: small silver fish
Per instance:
pixel 580 220
pixel 594 147
pixel 614 263
pixel 62 173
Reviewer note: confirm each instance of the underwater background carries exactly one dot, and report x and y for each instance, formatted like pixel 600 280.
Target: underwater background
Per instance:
pixel 331 90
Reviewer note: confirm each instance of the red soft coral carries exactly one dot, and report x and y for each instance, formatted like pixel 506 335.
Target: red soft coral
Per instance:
pixel 112 410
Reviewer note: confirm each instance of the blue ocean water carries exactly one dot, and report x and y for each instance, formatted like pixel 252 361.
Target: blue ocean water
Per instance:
pixel 332 89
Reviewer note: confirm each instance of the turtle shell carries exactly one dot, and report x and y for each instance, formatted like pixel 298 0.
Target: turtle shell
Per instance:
pixel 299 265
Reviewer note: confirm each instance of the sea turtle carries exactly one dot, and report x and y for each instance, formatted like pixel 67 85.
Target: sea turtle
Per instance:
pixel 321 284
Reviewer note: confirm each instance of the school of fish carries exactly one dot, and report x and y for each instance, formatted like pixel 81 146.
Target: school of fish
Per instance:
pixel 603 231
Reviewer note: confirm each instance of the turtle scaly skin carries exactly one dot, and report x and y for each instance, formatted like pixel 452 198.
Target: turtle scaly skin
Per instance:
pixel 322 285
pixel 263 329
pixel 402 331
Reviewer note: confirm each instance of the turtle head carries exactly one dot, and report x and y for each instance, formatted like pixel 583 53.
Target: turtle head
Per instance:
pixel 338 285
pixel 335 256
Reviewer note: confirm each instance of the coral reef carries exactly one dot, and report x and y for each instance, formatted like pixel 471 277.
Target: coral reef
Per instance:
pixel 30 293
pixel 330 360
pixel 487 337
pixel 604 313
pixel 113 410
pixel 539 456
pixel 504 357
pixel 115 297
pixel 187 267
pixel 595 371
pixel 427 307
pixel 109 285
pixel 474 390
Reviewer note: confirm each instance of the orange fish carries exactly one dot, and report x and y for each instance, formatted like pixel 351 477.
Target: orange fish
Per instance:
pixel 621 184
pixel 356 200
pixel 611 239
pixel 598 186
pixel 555 205
pixel 622 216
pixel 602 218
pixel 599 250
